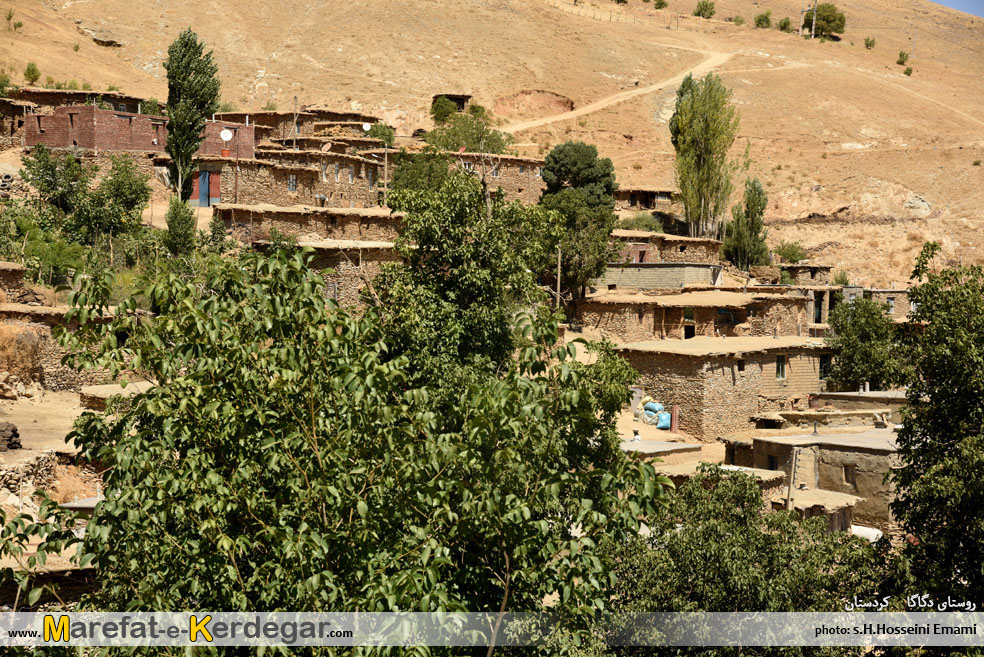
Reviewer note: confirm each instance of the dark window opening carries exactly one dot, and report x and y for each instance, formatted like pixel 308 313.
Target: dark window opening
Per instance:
pixel 689 331
pixel 826 361
pixel 741 365
pixel 682 248
pixel 773 462
pixel 780 367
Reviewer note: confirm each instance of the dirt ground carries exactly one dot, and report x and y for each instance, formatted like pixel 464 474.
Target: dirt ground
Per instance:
pixel 43 423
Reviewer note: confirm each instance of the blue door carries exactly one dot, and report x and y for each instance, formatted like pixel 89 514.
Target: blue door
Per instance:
pixel 203 189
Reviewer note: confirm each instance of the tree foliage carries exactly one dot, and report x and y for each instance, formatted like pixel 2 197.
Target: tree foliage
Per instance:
pixel 704 9
pixel 577 165
pixel 862 336
pixel 285 460
pixel 424 171
pixel 744 237
pixel 60 179
pixel 31 73
pixel 938 485
pixel 442 109
pixel 586 247
pixel 791 251
pixel 192 96
pixel 830 20
pixel 703 128
pixel 472 131
pixel 383 132
pixel 763 20
pixel 181 227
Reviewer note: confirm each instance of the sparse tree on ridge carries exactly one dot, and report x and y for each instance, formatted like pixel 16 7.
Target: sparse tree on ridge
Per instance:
pixel 830 20
pixel 192 96
pixel 703 129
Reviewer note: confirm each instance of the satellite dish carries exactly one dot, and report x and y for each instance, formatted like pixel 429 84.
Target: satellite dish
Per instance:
pixel 366 127
pixel 226 134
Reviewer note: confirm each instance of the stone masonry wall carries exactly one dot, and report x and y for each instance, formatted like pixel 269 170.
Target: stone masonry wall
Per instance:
pixel 345 272
pixel 869 468
pixel 651 276
pixel 263 183
pixel 899 305
pixel 620 322
pixel 784 316
pixel 686 251
pixel 672 379
pixel 248 225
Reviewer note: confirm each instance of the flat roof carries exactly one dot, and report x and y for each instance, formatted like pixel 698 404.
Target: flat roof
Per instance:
pixel 689 468
pixel 806 498
pixel 701 346
pixel 337 245
pixel 265 113
pixel 882 440
pixel 645 188
pixel 11 266
pixel 263 208
pixel 804 264
pixel 497 156
pixel 697 299
pixel 276 152
pixel 648 234
pixel 41 91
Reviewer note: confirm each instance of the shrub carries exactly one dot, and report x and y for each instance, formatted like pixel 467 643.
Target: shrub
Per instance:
pixel 977 163
pixel 226 106
pixel 270 106
pixel 704 9
pixel 660 4
pixel 9 15
pixel 384 132
pixel 785 25
pixel 180 238
pixel 112 87
pixel 86 86
pixel 72 84
pixel 4 84
pixel 31 73
pixel 151 106
pixel 442 109
pixel 764 20
pixel 641 221
pixel 869 43
pixel 908 71
pixel 18 25
pixel 738 20
pixel 903 58
pixel 840 278
pixel 790 251
pixel 75 48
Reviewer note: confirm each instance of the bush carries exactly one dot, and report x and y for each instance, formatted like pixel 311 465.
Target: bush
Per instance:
pixel 227 106
pixel 442 109
pixel 181 225
pixel 903 58
pixel 785 25
pixel 660 4
pixel 270 106
pixel 152 106
pixel 764 20
pixel 908 71
pixel 840 278
pixel 738 20
pixel 384 132
pixel 31 73
pixel 977 163
pixel 790 251
pixel 829 21
pixel 704 9
pixel 75 48
pixel 869 43
pixel 641 221
pixel 4 84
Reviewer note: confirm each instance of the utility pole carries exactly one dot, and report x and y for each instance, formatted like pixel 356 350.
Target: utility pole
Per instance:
pixel 558 275
pixel 813 28
pixel 295 123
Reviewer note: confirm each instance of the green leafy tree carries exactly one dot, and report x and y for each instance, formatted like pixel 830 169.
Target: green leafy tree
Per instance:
pixel 763 20
pixel 442 109
pixel 785 25
pixel 59 178
pixel 124 193
pixel 471 131
pixel 152 106
pixel 714 549
pixel 181 227
pixel 862 336
pixel 577 165
pixel 641 221
pixel 217 231
pixel 841 278
pixel 744 238
pixel 471 264
pixel 425 171
pixel 302 470
pixel 830 20
pixel 941 444
pixel 703 128
pixel 31 73
pixel 192 96
pixel 383 132
pixel 4 84
pixel 586 247
pixel 791 251
pixel 704 9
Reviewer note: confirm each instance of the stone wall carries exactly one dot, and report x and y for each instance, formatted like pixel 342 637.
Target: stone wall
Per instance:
pixel 263 182
pixel 779 316
pixel 11 279
pixel 27 476
pixel 278 124
pixel 619 322
pixel 686 250
pixel 673 379
pixel 520 179
pixel 897 300
pixel 656 275
pixel 346 271
pixel 256 223
pixel 802 379
pixel 808 274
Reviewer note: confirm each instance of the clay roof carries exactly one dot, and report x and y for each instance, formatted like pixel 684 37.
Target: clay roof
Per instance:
pixel 645 188
pixel 274 152
pixel 84 93
pixel 227 115
pixel 11 266
pixel 807 498
pixel 262 208
pixel 882 440
pixel 689 468
pixel 804 264
pixel 650 235
pixel 702 346
pixel 495 156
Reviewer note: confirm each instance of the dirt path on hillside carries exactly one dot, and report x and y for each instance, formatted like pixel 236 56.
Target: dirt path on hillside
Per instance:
pixel 713 60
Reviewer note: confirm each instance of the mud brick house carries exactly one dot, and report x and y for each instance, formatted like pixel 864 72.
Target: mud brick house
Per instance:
pixel 461 101
pixel 273 124
pixel 820 300
pixel 325 113
pixel 251 223
pixel 721 384
pixel 643 198
pixel 13 117
pixel 49 99
pixel 340 128
pixel 625 317
pixel 639 246
pixel 520 178
pixel 91 128
pixel 897 301
pixel 807 273
pixel 852 464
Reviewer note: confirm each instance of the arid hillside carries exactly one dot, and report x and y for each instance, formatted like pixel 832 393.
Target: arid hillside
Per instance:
pixel 862 163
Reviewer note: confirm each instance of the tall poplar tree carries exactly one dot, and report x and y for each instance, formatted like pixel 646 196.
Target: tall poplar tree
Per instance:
pixel 192 96
pixel 703 129
pixel 744 236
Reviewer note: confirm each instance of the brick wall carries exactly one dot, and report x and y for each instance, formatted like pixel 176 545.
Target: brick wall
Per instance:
pixel 345 271
pixel 263 182
pixel 280 124
pixel 869 467
pixel 655 275
pixel 802 379
pixel 249 224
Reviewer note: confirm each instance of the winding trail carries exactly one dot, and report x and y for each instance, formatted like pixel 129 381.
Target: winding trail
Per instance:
pixel 713 60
